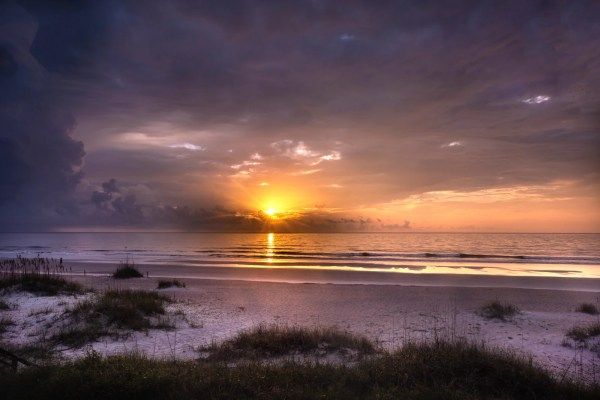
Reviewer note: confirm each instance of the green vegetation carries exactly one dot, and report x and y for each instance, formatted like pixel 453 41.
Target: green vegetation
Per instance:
pixel 588 308
pixel 497 310
pixel 436 370
pixel 275 341
pixel 127 270
pixel 583 333
pixel 164 284
pixel 113 310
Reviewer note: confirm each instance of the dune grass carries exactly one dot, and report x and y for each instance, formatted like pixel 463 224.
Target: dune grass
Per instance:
pixel 583 333
pixel 127 270
pixel 4 305
pixel 587 308
pixel 437 370
pixel 134 310
pixel 40 284
pixel 272 341
pixel 498 310
pixel 5 322
pixel 38 275
pixel 37 353
pixel 165 284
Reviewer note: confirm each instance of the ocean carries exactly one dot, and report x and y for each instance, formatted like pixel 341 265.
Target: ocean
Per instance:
pixel 560 255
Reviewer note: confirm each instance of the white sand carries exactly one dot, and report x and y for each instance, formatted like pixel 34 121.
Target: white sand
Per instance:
pixel 391 315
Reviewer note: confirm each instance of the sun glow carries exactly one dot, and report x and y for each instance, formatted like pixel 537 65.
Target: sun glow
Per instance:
pixel 271 212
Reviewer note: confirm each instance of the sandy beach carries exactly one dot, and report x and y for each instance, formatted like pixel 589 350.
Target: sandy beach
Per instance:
pixel 391 315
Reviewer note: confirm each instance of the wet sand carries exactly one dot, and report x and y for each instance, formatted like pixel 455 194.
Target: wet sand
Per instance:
pixel 291 275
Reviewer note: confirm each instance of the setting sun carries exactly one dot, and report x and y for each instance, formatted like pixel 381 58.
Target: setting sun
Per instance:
pixel 270 212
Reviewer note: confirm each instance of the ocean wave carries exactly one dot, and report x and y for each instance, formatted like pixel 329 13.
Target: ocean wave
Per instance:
pixel 399 257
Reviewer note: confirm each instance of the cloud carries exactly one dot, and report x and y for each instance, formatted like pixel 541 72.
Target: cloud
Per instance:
pixel 307 171
pixel 187 146
pixel 39 160
pixel 300 151
pixel 118 205
pixel 537 99
pixel 453 144
pixel 110 186
pixel 171 95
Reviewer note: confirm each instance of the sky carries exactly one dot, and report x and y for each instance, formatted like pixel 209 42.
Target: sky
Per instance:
pixel 300 116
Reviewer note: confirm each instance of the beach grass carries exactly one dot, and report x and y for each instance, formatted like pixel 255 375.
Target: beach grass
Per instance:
pixel 40 284
pixel 5 322
pixel 4 306
pixel 37 275
pixel 588 308
pixel 133 310
pixel 434 370
pixel 273 341
pixel 498 310
pixel 126 270
pixel 583 333
pixel 165 284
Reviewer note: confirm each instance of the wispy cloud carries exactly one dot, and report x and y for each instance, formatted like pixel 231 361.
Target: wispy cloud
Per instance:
pixel 537 99
pixel 453 144
pixel 187 146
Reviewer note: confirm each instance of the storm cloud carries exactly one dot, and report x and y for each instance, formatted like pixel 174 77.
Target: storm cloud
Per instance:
pixel 39 160
pixel 365 105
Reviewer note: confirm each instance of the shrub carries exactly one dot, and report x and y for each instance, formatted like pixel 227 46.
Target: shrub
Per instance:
pixel 164 284
pixel 497 310
pixel 4 305
pixel 127 270
pixel 271 341
pixel 588 308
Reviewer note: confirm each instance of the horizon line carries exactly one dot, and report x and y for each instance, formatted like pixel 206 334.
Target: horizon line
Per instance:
pixel 312 233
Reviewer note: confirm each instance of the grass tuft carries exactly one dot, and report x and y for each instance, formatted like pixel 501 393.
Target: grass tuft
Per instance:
pixel 4 306
pixel 38 275
pixel 273 341
pixel 587 308
pixel 40 284
pixel 5 322
pixel 498 310
pixel 583 333
pixel 38 352
pixel 127 270
pixel 436 370
pixel 113 310
pixel 165 284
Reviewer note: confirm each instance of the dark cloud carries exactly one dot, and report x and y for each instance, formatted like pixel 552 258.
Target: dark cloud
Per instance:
pixel 39 161
pixel 118 206
pixel 110 186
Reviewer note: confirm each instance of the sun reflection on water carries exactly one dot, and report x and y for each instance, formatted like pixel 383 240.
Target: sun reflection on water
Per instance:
pixel 270 249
